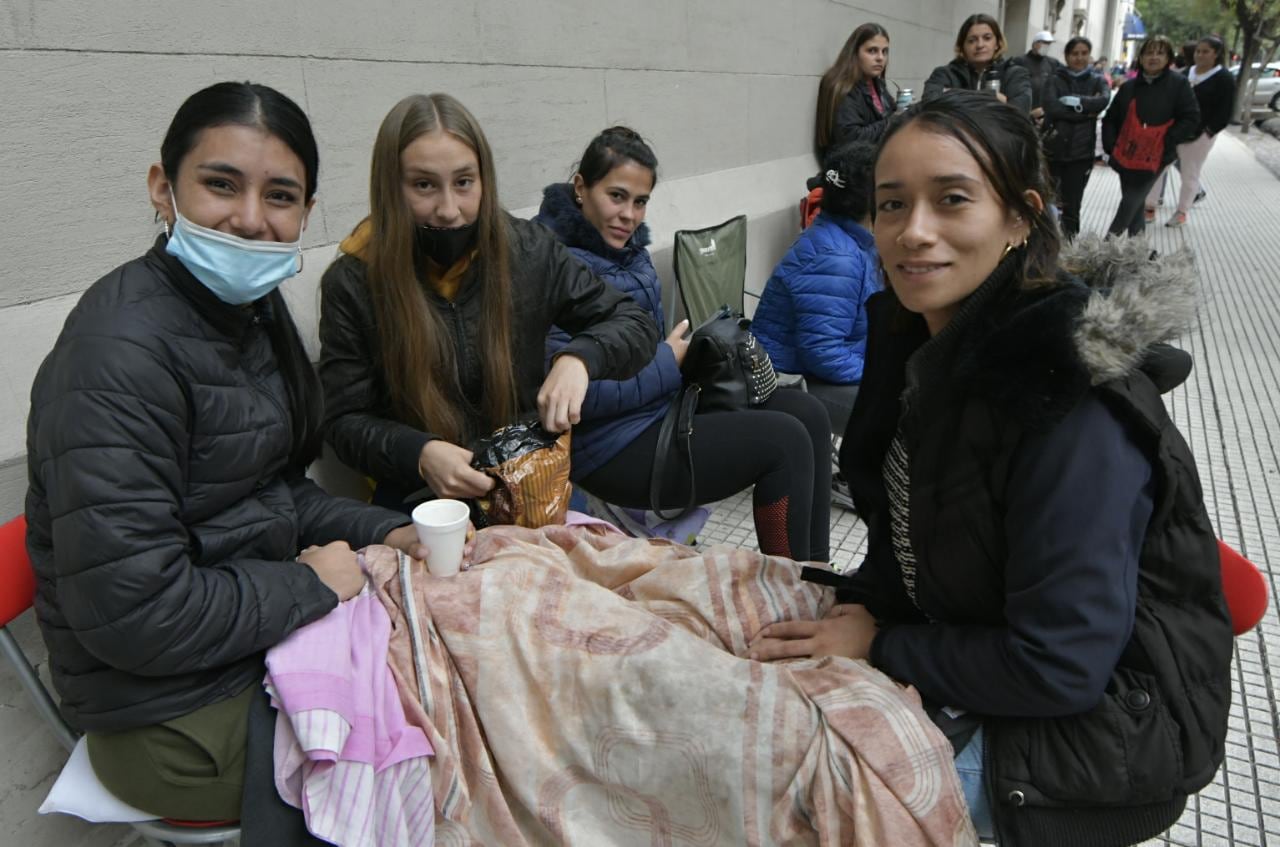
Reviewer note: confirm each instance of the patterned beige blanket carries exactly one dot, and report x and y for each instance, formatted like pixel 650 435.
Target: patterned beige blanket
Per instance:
pixel 586 688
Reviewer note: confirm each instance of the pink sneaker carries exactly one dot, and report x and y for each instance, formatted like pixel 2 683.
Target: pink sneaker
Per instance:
pixel 1178 219
pixel 1149 214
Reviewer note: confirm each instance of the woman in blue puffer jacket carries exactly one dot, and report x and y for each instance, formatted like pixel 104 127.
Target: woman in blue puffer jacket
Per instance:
pixel 781 447
pixel 812 317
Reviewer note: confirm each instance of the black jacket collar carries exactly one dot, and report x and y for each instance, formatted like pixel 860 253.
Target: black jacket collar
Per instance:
pixel 232 321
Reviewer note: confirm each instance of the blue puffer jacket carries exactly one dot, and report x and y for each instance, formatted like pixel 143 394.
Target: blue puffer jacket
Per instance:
pixel 812 317
pixel 615 411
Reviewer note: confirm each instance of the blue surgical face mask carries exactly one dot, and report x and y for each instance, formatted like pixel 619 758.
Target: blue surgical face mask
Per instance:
pixel 237 270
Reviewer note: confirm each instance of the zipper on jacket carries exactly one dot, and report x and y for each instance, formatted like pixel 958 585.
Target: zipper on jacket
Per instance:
pixel 989 786
pixel 459 341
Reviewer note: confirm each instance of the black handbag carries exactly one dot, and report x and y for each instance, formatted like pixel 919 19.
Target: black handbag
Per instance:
pixel 726 368
pixel 728 364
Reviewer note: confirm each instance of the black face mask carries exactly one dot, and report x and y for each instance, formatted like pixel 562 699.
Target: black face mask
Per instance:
pixel 445 245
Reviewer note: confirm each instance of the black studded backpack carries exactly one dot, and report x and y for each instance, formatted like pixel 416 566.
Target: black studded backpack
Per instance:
pixel 725 369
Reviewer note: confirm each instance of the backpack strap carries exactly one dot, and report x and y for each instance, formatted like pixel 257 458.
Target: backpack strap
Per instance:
pixel 675 436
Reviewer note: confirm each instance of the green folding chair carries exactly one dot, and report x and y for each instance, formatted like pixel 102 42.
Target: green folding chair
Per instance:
pixel 711 268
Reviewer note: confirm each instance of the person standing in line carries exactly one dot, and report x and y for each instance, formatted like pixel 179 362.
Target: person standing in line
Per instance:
pixel 1150 115
pixel 978 66
pixel 780 449
pixel 1215 93
pixel 853 101
pixel 1074 97
pixel 1040 66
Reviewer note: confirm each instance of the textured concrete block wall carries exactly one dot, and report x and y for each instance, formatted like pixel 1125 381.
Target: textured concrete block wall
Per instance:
pixel 724 89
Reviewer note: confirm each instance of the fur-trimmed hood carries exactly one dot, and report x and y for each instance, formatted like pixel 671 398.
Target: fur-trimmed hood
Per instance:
pixel 564 217
pixel 1034 352
pixel 1137 302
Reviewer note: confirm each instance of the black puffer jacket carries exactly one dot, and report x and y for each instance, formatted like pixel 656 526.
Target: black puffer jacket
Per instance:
pixel 857 118
pixel 1166 98
pixel 1015 82
pixel 1039 69
pixel 1074 132
pixel 163 518
pixel 1023 580
pixel 550 287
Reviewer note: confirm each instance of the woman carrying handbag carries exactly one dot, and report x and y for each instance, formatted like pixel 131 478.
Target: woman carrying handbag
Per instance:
pixel 1150 115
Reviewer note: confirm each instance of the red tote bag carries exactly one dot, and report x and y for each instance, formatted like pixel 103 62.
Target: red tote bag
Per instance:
pixel 1140 147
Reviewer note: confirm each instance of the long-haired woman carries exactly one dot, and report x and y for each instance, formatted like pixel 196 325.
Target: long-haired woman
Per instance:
pixel 1040 565
pixel 1148 118
pixel 170 431
pixel 853 101
pixel 981 65
pixel 433 321
pixel 780 449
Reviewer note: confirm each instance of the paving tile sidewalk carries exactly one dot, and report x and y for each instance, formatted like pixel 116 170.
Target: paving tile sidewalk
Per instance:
pixel 1229 412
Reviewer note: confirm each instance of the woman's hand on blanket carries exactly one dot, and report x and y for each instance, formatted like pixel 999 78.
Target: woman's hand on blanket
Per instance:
pixel 406 538
pixel 446 468
pixel 335 563
pixel 562 392
pixel 848 631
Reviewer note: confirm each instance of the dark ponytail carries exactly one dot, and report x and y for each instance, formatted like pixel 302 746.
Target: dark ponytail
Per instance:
pixel 611 148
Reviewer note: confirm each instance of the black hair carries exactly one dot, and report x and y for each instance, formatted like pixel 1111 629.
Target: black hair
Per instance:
pixel 251 104
pixel 1075 41
pixel 1218 46
pixel 847 179
pixel 1007 148
pixel 613 147
pixel 245 104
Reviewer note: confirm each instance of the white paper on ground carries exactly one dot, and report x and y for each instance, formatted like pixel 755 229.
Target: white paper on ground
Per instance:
pixel 78 792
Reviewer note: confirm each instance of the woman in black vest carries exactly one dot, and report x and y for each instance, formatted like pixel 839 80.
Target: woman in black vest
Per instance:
pixel 1040 565
pixel 1150 116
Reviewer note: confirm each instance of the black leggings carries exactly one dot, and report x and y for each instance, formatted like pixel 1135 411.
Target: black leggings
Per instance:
pixel 1134 186
pixel 782 447
pixel 1070 179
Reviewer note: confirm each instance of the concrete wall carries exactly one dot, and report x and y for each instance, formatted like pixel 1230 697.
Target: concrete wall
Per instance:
pixel 724 89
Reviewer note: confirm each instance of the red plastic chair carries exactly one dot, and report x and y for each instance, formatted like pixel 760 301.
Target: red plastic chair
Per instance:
pixel 1245 589
pixel 17 593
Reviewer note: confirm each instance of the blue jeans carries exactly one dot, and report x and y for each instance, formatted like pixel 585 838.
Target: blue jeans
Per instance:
pixel 969 767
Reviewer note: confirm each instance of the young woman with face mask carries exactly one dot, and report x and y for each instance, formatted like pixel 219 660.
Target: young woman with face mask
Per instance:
pixel 1040 565
pixel 1215 93
pixel 1074 96
pixel 854 103
pixel 169 434
pixel 980 65
pixel 780 448
pixel 433 323
pixel 1158 100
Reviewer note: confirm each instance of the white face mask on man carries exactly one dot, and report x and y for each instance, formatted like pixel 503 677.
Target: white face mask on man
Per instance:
pixel 237 270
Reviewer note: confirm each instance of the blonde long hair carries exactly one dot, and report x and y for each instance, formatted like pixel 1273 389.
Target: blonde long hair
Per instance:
pixel 418 358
